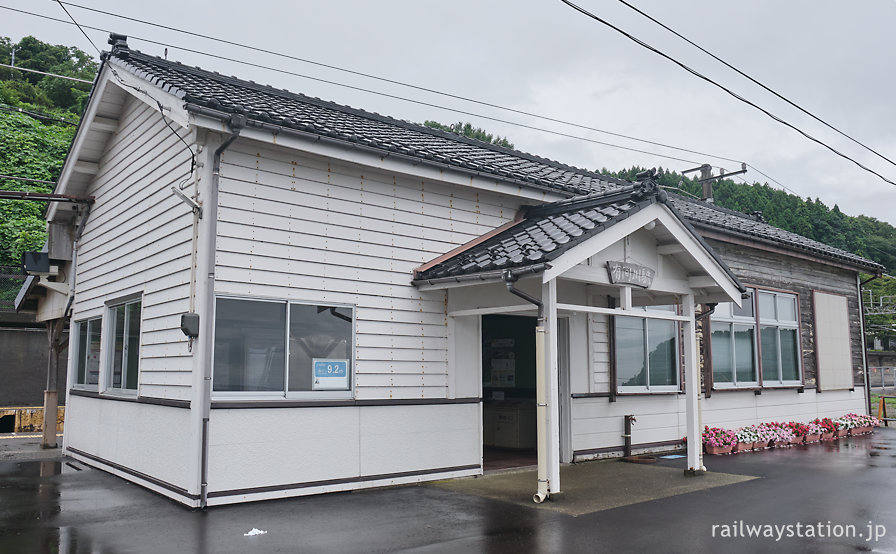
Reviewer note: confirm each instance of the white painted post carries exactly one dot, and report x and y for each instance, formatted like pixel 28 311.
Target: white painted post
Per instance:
pixel 552 376
pixel 692 387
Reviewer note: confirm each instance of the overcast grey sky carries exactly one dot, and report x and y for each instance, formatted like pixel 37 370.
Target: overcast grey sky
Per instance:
pixel 835 59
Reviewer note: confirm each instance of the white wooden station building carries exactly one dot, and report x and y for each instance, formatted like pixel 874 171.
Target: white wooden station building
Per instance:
pixel 275 295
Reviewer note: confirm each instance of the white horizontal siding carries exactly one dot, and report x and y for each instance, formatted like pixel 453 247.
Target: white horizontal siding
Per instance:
pixel 600 352
pixel 137 241
pixel 247 447
pixel 309 229
pixel 598 423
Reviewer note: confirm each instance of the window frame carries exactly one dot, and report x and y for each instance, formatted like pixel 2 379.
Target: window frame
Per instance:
pixel 758 321
pixel 78 356
pixel 286 394
pixel 645 334
pixel 778 324
pixel 108 344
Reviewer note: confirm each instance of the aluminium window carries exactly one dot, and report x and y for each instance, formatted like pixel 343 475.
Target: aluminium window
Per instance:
pixel 87 352
pixel 779 338
pixel 279 348
pixel 124 346
pixel 760 337
pixel 646 353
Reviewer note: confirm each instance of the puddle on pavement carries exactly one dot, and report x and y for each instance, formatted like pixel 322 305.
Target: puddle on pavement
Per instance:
pixel 30 469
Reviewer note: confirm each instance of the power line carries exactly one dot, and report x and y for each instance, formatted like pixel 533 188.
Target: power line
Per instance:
pixel 98 51
pixel 729 91
pixel 41 181
pixel 368 91
pixel 45 73
pixel 396 82
pixel 120 80
pixel 387 95
pixel 754 81
pixel 38 115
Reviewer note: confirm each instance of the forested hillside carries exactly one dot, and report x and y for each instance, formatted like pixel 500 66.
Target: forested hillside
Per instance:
pixel 863 235
pixel 38 116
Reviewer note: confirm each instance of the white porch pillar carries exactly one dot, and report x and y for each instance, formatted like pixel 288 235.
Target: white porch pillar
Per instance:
pixel 692 387
pixel 552 384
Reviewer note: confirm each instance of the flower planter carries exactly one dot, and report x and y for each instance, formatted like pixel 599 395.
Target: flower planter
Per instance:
pixel 710 449
pixel 759 445
pixel 827 436
pixel 798 440
pixel 813 438
pixel 841 433
pixel 862 430
pixel 742 447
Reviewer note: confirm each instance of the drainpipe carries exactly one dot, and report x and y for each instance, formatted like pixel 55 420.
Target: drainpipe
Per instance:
pixel 541 407
pixel 863 323
pixel 210 209
pixel 73 270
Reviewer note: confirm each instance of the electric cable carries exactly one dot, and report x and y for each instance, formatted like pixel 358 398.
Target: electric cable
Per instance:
pixel 360 89
pixel 396 82
pixel 387 95
pixel 17 68
pixel 754 81
pixel 722 87
pixel 37 115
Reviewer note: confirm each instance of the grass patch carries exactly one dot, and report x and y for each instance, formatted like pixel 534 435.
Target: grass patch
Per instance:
pixel 891 404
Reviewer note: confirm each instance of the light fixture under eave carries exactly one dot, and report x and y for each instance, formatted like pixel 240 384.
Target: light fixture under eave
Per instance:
pixel 650 226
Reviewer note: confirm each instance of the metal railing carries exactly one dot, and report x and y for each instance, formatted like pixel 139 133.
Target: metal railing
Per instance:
pixel 882 377
pixel 11 280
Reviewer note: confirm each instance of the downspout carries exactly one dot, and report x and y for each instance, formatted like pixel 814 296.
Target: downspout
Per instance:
pixel 74 273
pixel 541 411
pixel 210 210
pixel 862 322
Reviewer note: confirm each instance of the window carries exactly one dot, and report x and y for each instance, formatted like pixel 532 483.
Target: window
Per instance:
pixel 275 348
pixel 779 338
pixel 760 337
pixel 646 353
pixel 125 346
pixel 87 352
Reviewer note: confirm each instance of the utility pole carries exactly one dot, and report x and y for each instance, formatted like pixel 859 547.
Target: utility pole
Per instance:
pixel 706 178
pixel 13 62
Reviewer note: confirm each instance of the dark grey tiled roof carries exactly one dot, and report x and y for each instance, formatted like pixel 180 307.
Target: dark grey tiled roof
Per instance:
pixel 543 234
pixel 266 105
pixel 260 103
pixel 704 214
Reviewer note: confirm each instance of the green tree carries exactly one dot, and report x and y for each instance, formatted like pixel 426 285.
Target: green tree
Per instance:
pixel 32 150
pixel 467 130
pixel 38 114
pixel 40 90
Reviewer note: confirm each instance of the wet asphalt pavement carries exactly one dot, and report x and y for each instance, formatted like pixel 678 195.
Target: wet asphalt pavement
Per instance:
pixel 64 506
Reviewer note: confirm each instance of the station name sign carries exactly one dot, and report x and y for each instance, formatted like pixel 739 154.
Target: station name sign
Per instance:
pixel 630 274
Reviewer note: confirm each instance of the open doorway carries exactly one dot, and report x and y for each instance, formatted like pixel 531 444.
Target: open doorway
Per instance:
pixel 508 391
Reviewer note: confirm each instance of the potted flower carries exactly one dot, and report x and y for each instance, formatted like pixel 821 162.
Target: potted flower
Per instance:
pixel 861 424
pixel 780 433
pixel 764 436
pixel 785 436
pixel 813 431
pixel 746 437
pixel 718 441
pixel 829 428
pixel 800 430
pixel 844 424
